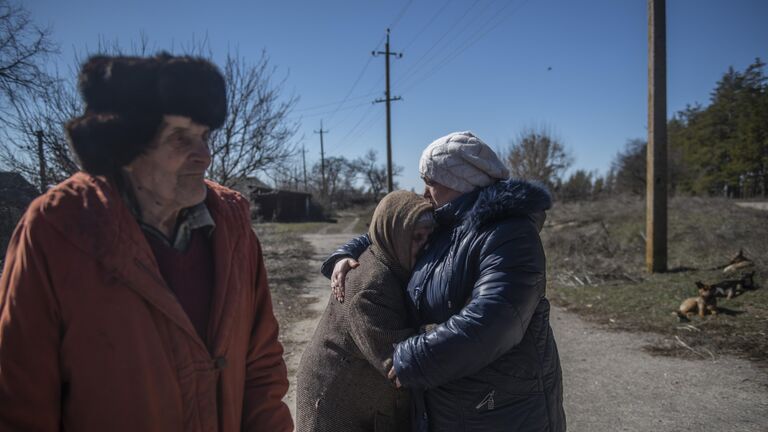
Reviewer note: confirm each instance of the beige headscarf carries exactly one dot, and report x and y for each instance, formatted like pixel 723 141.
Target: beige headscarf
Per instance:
pixel 392 226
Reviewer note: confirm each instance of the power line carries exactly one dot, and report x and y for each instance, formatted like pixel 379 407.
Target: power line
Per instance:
pixel 427 25
pixel 347 97
pixel 401 14
pixel 451 28
pixel 359 76
pixel 367 128
pixel 325 105
pixel 469 42
pixel 325 113
pixel 471 21
pixel 343 141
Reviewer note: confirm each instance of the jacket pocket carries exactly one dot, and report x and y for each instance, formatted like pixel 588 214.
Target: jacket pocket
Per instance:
pixel 383 423
pixel 505 408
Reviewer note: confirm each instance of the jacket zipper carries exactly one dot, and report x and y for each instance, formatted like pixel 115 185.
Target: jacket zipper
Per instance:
pixel 487 400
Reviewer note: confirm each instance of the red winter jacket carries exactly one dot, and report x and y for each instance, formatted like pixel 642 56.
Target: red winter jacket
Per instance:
pixel 92 339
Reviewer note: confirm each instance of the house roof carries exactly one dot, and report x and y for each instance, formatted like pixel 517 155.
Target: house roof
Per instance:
pixel 15 190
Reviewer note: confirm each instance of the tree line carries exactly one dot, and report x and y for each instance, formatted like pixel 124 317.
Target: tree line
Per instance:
pixel 717 149
pixel 720 149
pixel 258 139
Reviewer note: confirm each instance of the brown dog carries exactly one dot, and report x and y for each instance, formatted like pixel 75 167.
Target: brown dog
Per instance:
pixel 738 262
pixel 705 302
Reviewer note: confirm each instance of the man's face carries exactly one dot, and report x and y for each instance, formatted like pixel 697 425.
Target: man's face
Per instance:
pixel 438 194
pixel 173 168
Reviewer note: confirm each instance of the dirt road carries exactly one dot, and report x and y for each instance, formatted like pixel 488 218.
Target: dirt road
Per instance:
pixel 611 384
pixel 754 205
pixel 295 336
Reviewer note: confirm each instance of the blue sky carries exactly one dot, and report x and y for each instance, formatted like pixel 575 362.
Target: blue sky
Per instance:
pixel 480 65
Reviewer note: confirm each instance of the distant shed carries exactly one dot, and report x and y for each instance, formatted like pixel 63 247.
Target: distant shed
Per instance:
pixel 269 204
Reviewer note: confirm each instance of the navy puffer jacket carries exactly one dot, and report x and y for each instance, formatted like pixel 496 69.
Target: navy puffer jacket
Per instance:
pixel 490 363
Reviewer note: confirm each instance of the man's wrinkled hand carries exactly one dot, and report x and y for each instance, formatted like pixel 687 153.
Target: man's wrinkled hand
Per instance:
pixel 339 276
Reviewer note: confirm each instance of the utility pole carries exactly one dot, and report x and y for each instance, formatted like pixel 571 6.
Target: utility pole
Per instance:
pixel 322 157
pixel 656 174
pixel 388 99
pixel 304 165
pixel 41 160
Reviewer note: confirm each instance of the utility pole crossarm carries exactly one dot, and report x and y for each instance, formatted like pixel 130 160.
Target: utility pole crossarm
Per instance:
pixel 396 98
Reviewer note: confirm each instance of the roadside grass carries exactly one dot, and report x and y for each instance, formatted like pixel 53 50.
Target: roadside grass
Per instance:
pixel 286 256
pixel 355 221
pixel 596 251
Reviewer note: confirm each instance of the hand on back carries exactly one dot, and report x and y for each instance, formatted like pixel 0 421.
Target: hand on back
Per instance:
pixel 339 276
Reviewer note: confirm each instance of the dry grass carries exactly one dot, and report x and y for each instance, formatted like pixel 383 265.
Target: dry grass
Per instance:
pixel 286 257
pixel 596 252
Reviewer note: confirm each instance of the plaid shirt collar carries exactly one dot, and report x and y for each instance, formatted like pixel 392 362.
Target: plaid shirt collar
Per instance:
pixel 189 219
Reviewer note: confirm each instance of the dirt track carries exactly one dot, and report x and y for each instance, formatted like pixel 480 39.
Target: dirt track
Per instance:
pixel 611 384
pixel 754 205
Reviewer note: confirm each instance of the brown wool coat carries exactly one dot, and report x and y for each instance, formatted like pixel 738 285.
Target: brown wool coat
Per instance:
pixel 92 339
pixel 342 384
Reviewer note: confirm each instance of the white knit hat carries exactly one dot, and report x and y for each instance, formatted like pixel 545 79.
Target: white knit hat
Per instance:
pixel 462 162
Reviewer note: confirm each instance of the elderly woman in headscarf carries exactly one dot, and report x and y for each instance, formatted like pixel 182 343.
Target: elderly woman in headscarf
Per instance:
pixel 488 359
pixel 342 379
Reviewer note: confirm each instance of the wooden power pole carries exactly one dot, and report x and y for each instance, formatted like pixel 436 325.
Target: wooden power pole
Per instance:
pixel 304 165
pixel 41 161
pixel 387 100
pixel 322 158
pixel 656 174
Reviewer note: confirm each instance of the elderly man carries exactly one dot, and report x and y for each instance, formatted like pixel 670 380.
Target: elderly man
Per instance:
pixel 134 295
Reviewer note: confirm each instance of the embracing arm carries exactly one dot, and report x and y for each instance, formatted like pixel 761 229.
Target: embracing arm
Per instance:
pixel 504 298
pixel 352 249
pixel 30 378
pixel 266 378
pixel 378 320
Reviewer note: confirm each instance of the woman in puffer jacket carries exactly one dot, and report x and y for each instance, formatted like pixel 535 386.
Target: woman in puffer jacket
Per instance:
pixel 488 359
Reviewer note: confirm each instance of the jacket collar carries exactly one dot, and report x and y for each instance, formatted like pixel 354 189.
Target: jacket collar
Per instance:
pixel 89 213
pixel 454 211
pixel 506 198
pixel 510 198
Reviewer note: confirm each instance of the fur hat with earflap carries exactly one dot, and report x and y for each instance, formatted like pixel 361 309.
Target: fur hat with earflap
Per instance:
pixel 126 98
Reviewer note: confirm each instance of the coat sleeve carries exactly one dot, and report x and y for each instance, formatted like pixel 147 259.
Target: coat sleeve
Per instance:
pixel 266 376
pixel 352 249
pixel 30 329
pixel 505 294
pixel 378 321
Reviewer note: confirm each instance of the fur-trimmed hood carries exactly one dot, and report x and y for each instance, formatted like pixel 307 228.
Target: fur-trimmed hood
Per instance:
pixel 508 198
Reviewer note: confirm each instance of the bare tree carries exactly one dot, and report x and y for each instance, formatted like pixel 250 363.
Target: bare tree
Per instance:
pixel 579 186
pixel 629 166
pixel 536 154
pixel 24 48
pixel 257 135
pixel 46 112
pixel 375 175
